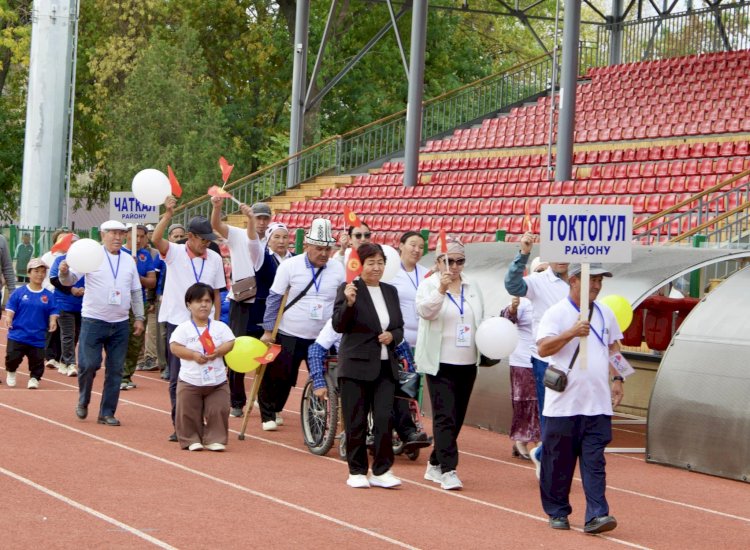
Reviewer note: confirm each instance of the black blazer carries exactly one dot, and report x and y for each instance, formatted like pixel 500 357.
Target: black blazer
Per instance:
pixel 359 353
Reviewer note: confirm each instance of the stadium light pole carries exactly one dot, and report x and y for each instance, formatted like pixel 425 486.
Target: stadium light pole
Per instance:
pixel 416 91
pixel 615 33
pixel 567 95
pixel 299 77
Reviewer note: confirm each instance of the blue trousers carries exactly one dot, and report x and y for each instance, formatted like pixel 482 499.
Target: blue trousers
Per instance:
pixel 566 439
pixel 112 338
pixel 538 367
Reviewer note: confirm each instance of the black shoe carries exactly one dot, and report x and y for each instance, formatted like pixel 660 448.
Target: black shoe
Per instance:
pixel 559 523
pixel 82 411
pixel 108 420
pixel 417 440
pixel 173 437
pixel 600 524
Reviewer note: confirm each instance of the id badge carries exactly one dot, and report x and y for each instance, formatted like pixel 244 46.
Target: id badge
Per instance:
pixel 463 335
pixel 316 311
pixel 115 298
pixel 208 375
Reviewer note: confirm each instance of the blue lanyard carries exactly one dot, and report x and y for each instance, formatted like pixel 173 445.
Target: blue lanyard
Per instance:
pixel 316 280
pixel 196 275
pixel 596 307
pixel 461 307
pixel 415 283
pixel 199 332
pixel 112 269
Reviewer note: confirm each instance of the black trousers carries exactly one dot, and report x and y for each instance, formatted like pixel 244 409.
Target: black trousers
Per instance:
pixel 239 315
pixel 403 422
pixel 53 347
pixel 173 362
pixel 450 390
pixel 358 398
pixel 281 375
pixel 16 351
pixel 70 330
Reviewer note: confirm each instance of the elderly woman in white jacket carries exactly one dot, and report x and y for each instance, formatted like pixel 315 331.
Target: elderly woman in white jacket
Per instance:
pixel 450 308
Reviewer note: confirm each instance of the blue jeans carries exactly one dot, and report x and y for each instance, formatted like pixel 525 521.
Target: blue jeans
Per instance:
pixel 539 366
pixel 113 339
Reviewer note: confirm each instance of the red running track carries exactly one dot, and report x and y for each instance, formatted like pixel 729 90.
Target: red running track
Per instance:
pixel 68 483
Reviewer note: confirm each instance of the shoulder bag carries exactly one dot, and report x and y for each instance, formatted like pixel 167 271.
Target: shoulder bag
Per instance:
pixel 557 380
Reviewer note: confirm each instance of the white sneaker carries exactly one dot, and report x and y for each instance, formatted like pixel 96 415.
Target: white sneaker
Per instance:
pixel 535 455
pixel 433 473
pixel 51 364
pixel 195 447
pixel 270 426
pixel 386 480
pixel 358 481
pixel 72 370
pixel 450 481
pixel 279 420
pixel 33 383
pixel 216 447
pixel 10 379
pixel 63 369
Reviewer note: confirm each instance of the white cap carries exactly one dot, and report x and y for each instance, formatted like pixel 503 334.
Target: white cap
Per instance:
pixel 112 225
pixel 535 263
pixel 320 233
pixel 149 227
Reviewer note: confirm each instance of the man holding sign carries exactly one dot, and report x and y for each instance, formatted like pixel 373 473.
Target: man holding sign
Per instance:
pixel 578 420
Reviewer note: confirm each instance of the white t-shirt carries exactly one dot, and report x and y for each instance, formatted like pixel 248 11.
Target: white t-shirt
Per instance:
pixel 49 258
pixel 211 373
pixel 328 337
pixel 450 352
pixel 107 296
pixel 239 249
pixel 182 272
pixel 376 293
pixel 588 391
pixel 306 318
pixel 406 284
pixel 521 356
pixel 544 290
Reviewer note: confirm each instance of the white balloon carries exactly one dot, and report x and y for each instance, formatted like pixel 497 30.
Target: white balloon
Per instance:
pixel 85 256
pixel 151 187
pixel 497 338
pixel 392 263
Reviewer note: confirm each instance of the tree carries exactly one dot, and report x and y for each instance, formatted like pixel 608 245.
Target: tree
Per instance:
pixel 165 116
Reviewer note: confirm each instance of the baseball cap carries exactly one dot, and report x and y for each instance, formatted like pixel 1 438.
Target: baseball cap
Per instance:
pixel 202 227
pixel 34 263
pixel 594 269
pixel 113 225
pixel 261 209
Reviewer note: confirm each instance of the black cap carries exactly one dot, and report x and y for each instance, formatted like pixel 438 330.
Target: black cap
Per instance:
pixel 201 227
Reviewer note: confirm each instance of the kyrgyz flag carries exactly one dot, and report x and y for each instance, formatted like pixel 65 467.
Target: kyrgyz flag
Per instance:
pixel 527 224
pixel 226 169
pixel 350 218
pixel 353 266
pixel 176 189
pixel 207 342
pixel 271 354
pixel 443 242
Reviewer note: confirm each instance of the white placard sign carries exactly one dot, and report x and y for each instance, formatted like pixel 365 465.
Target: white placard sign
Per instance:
pixel 125 208
pixel 586 233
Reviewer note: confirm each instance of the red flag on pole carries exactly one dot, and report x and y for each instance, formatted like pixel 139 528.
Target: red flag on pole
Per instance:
pixel 528 226
pixel 207 342
pixel 350 218
pixel 226 169
pixel 271 354
pixel 353 266
pixel 443 242
pixel 63 243
pixel 176 189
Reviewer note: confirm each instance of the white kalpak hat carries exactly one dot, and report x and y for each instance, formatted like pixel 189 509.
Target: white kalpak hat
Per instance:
pixel 320 233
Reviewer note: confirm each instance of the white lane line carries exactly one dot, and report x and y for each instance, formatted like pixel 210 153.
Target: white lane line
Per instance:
pixel 218 480
pixel 86 509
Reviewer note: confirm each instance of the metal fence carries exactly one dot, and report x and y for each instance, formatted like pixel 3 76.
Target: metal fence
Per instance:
pixel 40 237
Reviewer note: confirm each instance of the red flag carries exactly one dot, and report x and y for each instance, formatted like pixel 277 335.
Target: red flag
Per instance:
pixel 176 189
pixel 271 354
pixel 353 266
pixel 207 342
pixel 528 226
pixel 443 242
pixel 63 243
pixel 350 218
pixel 216 191
pixel 226 169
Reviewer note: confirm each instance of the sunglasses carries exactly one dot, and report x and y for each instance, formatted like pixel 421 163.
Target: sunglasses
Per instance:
pixel 360 235
pixel 459 261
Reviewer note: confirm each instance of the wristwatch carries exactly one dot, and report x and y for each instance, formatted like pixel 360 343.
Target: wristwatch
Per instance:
pixel 618 378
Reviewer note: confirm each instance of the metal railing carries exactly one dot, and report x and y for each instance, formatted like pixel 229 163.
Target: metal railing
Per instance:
pixel 714 29
pixel 40 237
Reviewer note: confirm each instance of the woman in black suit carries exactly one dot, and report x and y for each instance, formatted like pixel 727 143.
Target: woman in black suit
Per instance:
pixel 368 314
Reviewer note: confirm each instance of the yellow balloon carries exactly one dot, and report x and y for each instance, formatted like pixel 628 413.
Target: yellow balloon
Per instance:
pixel 244 354
pixel 621 308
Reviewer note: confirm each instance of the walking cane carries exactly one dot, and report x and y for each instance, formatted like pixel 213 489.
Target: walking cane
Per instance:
pixel 260 372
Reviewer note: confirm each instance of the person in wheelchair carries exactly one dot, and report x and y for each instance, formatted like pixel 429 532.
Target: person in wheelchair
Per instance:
pixel 327 343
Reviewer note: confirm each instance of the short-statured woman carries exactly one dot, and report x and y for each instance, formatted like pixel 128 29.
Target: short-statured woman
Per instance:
pixel 450 308
pixel 368 315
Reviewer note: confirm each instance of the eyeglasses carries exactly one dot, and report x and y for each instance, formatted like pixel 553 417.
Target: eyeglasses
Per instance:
pixel 360 235
pixel 459 261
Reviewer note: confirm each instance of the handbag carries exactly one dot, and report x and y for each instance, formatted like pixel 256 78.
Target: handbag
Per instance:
pixel 244 289
pixel 554 378
pixel 408 384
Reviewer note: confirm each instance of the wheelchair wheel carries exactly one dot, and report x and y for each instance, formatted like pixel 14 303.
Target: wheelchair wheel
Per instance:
pixel 319 419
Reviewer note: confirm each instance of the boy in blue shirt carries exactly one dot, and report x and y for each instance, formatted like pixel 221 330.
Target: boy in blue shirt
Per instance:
pixel 31 313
